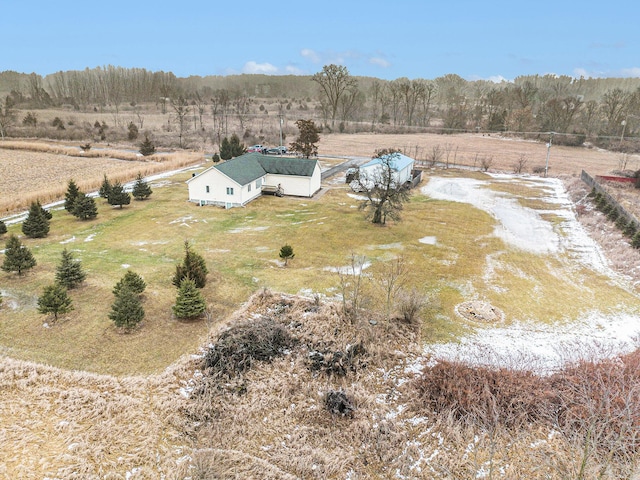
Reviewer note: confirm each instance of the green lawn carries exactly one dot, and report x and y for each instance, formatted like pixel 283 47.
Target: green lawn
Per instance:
pixel 241 248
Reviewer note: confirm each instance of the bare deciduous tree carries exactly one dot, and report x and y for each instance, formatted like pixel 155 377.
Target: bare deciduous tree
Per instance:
pixel 334 81
pixel 385 194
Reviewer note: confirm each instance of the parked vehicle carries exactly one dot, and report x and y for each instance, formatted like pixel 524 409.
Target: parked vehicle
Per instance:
pixel 281 150
pixel 257 148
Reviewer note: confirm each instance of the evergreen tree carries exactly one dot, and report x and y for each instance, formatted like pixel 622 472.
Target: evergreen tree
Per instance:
pixel 46 213
pixel 54 299
pixel 85 207
pixel 118 196
pixel 286 253
pixel 131 281
pixel 105 188
pixel 36 225
pixel 189 302
pixel 69 272
pixel 70 197
pixel 193 267
pixel 141 189
pixel 237 148
pixel 3 228
pixel 225 149
pixel 147 147
pixel 126 310
pixel 17 257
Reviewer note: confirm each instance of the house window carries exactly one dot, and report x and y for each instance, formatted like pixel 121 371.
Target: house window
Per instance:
pixel 249 188
pixel 229 190
pixel 258 183
pixel 207 187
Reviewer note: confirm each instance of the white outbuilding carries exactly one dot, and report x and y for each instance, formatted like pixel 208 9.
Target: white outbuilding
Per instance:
pixel 401 169
pixel 236 182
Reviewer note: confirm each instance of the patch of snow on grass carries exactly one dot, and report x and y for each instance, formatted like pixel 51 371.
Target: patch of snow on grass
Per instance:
pixel 125 265
pixel 544 348
pixel 69 240
pixel 356 197
pixel 90 238
pixel 248 229
pixel 519 226
pixel 348 269
pixel 388 246
pixel 428 240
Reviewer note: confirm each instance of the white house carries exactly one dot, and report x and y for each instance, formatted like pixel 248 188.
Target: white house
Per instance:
pixel 372 171
pixel 236 182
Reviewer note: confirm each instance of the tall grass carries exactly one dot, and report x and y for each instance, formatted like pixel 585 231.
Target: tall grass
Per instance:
pixel 56 187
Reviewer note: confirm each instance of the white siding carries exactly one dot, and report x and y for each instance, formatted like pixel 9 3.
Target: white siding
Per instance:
pixel 295 185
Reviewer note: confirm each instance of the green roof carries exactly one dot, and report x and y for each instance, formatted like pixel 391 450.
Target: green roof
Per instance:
pixel 251 166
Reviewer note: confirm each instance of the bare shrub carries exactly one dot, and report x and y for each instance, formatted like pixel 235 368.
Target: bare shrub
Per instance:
pixel 352 286
pixel 239 347
pixel 600 405
pixel 435 155
pixel 410 305
pixel 594 406
pixel 484 396
pixel 486 162
pixel 521 164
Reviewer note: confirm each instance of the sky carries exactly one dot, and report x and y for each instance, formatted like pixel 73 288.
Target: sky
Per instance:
pixel 493 40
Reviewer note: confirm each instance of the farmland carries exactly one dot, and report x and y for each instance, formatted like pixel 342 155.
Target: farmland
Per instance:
pixel 80 414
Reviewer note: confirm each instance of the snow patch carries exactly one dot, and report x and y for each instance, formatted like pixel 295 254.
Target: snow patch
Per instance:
pixel 544 347
pixel 519 226
pixel 348 269
pixel 248 229
pixel 428 240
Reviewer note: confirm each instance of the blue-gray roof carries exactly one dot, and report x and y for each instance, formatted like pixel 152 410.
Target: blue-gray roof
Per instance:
pixel 251 166
pixel 398 162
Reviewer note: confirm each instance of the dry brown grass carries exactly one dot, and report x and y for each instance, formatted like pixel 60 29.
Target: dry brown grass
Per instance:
pixel 31 171
pixel 470 149
pixel 61 424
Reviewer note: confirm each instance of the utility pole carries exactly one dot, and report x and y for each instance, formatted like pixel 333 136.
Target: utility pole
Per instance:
pixel 546 167
pixel 280 120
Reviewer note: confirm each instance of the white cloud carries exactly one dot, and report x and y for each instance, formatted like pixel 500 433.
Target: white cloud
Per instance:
pixel 380 62
pixel 263 68
pixel 310 54
pixel 492 78
pixel 631 72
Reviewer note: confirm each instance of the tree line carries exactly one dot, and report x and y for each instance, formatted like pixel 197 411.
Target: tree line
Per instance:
pixel 602 108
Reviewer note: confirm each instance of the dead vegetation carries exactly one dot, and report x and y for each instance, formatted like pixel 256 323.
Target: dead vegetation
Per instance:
pixel 39 171
pixel 480 151
pixel 291 421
